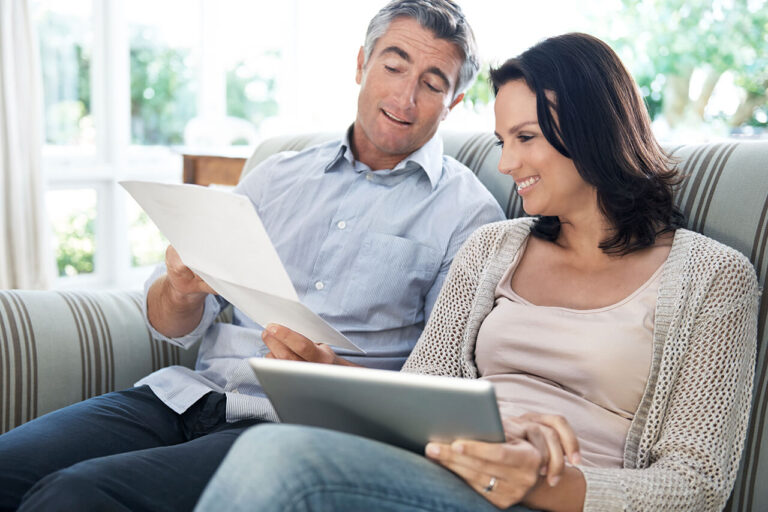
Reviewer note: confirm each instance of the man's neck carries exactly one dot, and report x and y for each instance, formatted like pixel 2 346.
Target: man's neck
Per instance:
pixel 370 155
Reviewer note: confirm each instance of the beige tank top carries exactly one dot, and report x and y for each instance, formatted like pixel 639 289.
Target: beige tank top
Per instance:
pixel 590 366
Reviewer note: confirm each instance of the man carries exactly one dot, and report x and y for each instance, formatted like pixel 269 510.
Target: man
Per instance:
pixel 366 226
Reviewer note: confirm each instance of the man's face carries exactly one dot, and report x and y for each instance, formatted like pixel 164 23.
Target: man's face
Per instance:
pixel 406 89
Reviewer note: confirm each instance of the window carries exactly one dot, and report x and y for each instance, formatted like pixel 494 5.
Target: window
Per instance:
pixel 129 85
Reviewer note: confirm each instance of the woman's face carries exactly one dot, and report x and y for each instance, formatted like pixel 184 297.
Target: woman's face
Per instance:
pixel 547 181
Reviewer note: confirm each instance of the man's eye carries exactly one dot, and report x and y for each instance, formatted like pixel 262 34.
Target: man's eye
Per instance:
pixel 390 69
pixel 432 87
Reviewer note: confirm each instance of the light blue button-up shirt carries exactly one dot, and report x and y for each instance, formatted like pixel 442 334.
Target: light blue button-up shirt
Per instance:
pixel 368 251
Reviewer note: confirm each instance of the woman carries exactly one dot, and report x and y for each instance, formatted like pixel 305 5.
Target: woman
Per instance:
pixel 621 346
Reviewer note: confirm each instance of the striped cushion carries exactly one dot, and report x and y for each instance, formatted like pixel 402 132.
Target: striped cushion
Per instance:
pixel 57 348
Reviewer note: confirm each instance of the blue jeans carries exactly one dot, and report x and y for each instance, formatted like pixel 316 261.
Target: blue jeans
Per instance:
pixel 120 451
pixel 291 468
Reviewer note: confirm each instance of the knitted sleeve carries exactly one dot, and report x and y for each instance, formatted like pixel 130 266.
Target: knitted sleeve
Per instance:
pixel 693 460
pixel 439 349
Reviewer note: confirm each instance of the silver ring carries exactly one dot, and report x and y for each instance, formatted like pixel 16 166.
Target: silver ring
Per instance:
pixel 491 485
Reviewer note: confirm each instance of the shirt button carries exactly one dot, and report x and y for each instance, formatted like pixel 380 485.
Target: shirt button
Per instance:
pixel 319 285
pixel 341 224
pixel 235 390
pixel 369 176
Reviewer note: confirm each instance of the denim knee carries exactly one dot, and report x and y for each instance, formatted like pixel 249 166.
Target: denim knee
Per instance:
pixel 67 490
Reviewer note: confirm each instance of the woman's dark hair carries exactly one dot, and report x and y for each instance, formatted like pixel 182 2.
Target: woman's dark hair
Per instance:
pixel 598 119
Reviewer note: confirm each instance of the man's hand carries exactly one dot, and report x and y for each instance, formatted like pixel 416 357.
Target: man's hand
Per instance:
pixel 175 301
pixel 284 343
pixel 184 284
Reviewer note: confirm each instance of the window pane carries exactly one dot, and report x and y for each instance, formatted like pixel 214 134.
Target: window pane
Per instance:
pixel 73 217
pixel 147 244
pixel 65 35
pixel 163 95
pixel 253 57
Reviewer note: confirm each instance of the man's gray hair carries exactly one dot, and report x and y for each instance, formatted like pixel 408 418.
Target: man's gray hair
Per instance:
pixel 444 18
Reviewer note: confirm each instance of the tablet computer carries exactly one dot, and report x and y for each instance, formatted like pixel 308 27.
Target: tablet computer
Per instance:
pixel 402 409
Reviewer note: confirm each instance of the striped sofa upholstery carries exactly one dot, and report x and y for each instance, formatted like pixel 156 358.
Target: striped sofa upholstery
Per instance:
pixel 57 348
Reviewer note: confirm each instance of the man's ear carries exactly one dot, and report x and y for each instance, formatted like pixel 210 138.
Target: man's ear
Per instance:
pixel 453 104
pixel 360 65
pixel 456 101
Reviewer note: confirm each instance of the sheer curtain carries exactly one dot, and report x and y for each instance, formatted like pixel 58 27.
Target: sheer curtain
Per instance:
pixel 23 255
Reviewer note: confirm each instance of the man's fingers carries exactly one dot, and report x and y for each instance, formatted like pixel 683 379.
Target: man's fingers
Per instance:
pixel 288 344
pixel 300 345
pixel 277 348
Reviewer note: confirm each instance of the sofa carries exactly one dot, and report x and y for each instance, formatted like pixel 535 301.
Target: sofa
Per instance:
pixel 59 347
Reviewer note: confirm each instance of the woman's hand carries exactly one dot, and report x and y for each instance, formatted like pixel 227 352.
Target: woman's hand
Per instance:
pixel 552 435
pixel 284 343
pixel 503 473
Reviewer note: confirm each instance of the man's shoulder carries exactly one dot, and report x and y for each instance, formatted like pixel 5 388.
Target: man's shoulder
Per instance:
pixel 455 172
pixel 459 180
pixel 320 151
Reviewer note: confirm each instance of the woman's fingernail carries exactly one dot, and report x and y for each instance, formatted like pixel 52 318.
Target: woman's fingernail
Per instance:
pixel 433 450
pixel 457 447
pixel 272 328
pixel 576 458
pixel 554 481
pixel 543 470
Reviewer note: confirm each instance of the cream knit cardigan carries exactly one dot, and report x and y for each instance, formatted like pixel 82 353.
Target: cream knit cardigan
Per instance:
pixel 684 443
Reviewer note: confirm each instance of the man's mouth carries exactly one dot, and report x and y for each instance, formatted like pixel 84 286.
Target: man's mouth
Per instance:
pixel 395 118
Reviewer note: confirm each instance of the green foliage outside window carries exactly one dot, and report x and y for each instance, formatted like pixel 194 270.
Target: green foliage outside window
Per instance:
pixel 163 98
pixel 66 68
pixel 75 236
pixel 251 91
pixel 481 92
pixel 147 243
pixel 671 40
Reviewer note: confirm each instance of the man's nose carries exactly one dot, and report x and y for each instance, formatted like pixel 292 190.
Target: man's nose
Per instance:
pixel 406 93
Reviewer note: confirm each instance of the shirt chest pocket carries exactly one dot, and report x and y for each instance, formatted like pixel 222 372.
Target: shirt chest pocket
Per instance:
pixel 389 279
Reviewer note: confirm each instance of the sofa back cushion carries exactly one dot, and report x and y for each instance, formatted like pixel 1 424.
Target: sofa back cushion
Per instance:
pixel 724 196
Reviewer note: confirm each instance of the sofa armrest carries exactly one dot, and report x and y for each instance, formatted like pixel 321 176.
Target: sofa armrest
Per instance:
pixel 58 348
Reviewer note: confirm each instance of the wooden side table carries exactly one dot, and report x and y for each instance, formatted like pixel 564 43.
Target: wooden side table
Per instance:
pixel 201 169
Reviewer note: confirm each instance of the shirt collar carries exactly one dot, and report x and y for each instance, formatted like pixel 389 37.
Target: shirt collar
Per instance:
pixel 428 158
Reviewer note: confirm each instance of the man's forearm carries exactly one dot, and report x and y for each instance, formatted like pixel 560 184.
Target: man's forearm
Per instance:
pixel 173 314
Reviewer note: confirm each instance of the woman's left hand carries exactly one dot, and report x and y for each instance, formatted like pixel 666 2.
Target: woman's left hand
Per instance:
pixel 502 473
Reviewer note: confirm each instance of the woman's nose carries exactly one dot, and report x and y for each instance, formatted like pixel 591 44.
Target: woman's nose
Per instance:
pixel 509 161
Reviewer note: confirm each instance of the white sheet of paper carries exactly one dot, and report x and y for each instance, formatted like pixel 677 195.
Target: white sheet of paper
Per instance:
pixel 220 237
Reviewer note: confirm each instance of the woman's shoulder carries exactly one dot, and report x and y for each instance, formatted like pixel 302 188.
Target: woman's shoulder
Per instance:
pixel 493 233
pixel 489 240
pixel 705 256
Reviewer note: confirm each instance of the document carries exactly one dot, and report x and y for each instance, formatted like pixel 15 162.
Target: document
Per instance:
pixel 220 237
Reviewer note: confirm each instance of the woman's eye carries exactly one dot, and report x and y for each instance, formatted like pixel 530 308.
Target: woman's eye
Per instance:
pixel 524 138
pixel 499 143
